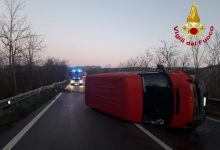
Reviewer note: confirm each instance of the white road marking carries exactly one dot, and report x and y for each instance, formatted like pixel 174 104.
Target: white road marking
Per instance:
pixel 67 87
pixel 212 119
pixel 157 140
pixel 13 141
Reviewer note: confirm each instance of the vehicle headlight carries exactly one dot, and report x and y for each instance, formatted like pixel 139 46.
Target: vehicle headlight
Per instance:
pixel 204 101
pixel 71 81
pixel 80 81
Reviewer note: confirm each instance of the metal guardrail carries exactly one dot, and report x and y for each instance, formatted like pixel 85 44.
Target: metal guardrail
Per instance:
pixel 213 107
pixel 13 100
pixel 214 99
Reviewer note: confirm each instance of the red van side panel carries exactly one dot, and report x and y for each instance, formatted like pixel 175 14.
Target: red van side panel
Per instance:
pixel 186 99
pixel 119 95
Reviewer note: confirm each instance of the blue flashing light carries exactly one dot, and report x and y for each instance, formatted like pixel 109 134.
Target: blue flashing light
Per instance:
pixel 74 70
pixel 78 70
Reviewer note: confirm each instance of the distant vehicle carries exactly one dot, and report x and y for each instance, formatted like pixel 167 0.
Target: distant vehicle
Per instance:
pixel 171 99
pixel 77 76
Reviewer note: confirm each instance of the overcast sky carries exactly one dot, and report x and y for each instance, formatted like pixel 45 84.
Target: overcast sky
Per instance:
pixel 101 32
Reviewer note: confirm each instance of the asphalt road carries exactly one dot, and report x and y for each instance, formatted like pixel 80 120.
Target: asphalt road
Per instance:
pixel 205 137
pixel 70 125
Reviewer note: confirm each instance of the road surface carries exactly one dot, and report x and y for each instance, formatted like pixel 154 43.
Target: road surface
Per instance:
pixel 69 124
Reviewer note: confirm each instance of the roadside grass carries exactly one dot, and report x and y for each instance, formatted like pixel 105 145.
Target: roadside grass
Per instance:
pixel 12 114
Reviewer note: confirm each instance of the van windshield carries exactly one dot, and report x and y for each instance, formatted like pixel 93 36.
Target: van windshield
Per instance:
pixel 158 102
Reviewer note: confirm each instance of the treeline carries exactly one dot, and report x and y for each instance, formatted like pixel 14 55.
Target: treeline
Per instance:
pixel 210 75
pixel 202 61
pixel 21 68
pixel 52 70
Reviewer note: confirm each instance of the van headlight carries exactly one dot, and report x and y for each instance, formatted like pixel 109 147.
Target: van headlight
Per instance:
pixel 80 81
pixel 204 101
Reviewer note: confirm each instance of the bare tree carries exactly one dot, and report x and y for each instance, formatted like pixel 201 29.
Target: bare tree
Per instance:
pixel 121 65
pixel 107 68
pixel 166 54
pixel 1 59
pixel 132 63
pixel 145 60
pixel 13 31
pixel 197 55
pixel 184 60
pixel 214 50
pixel 33 47
pixel 1 62
pixel 54 70
pixel 139 62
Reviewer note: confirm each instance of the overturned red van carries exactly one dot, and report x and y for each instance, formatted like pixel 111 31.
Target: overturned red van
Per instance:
pixel 171 99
